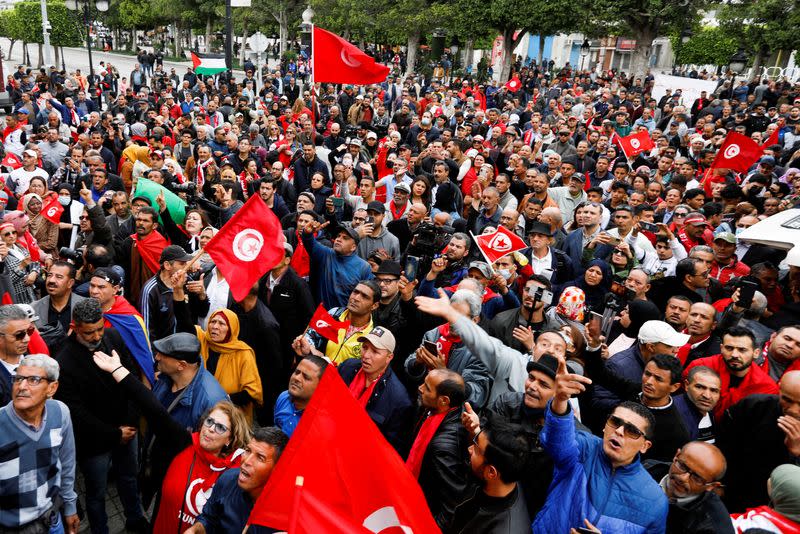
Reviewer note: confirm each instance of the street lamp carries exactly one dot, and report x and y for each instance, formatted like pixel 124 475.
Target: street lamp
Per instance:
pixel 738 62
pixel 306 26
pixel 585 49
pixel 100 5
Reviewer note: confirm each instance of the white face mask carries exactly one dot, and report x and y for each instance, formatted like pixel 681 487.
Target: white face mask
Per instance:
pixel 64 201
pixel 426 122
pixel 505 273
pixel 740 230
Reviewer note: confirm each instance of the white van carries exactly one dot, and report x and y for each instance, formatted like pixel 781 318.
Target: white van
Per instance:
pixel 781 231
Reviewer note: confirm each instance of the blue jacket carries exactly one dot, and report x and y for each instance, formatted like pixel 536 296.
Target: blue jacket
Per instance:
pixel 390 407
pixel 200 395
pixel 625 500
pixel 334 276
pixel 5 385
pixel 573 247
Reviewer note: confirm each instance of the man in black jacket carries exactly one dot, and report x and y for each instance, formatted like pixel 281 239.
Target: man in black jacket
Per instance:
pixel 438 456
pixel 757 434
pixel 691 486
pixel 103 418
pixel 498 456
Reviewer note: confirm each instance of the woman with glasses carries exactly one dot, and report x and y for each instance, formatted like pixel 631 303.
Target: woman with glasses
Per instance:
pixel 679 218
pixel 22 270
pixel 196 459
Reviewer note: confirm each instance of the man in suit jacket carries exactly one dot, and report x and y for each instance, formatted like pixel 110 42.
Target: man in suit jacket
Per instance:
pixel 55 309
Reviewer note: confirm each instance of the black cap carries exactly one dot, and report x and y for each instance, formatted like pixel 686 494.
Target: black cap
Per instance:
pixel 390 267
pixel 174 253
pixel 143 199
pixel 547 364
pixel 376 206
pixel 570 160
pixel 181 346
pixel 350 231
pixel 541 228
pixel 108 275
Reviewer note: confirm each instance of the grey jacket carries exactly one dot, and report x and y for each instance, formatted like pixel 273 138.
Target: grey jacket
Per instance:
pixel 42 306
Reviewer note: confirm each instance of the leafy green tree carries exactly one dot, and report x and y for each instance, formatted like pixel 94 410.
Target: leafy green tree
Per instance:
pixel 709 46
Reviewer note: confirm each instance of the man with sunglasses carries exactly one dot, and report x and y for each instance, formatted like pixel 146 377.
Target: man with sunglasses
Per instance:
pixel 691 486
pixel 35 485
pixel 15 333
pixel 590 470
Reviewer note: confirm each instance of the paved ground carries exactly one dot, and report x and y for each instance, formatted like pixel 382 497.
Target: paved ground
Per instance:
pixel 116 517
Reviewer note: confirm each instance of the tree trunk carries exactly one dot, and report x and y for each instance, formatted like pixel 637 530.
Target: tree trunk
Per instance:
pixel 640 59
pixel 208 35
pixel 467 52
pixel 25 53
pixel 540 58
pixel 57 56
pixel 758 59
pixel 11 47
pixel 411 52
pixel 40 47
pixel 243 48
pixel 283 26
pixel 507 59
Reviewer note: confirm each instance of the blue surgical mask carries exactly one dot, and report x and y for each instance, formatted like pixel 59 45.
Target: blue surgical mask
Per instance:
pixel 64 201
pixel 740 230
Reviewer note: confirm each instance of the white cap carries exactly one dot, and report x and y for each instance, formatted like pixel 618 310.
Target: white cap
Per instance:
pixel 661 332
pixel 793 257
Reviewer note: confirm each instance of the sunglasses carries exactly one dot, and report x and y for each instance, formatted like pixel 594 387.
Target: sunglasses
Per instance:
pixel 32 380
pixel 83 218
pixel 12 232
pixel 218 428
pixel 680 215
pixel 20 335
pixel 631 430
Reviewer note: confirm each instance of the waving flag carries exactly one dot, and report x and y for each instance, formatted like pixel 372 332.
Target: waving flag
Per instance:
pixel 501 243
pixel 175 204
pixel 514 84
pixel 635 144
pixel 130 325
pixel 52 210
pixel 11 160
pixel 334 60
pixel 208 64
pixel 737 153
pixel 249 245
pixel 340 493
pixel 325 325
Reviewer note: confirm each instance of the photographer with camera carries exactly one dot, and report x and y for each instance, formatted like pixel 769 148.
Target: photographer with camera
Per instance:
pixel 93 226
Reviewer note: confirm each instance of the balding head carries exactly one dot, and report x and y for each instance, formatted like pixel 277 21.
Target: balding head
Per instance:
pixel 552 216
pixel 697 467
pixel 790 394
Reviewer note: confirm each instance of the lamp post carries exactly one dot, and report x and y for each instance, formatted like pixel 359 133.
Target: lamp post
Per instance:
pixel 736 64
pixel 100 5
pixel 306 27
pixel 585 49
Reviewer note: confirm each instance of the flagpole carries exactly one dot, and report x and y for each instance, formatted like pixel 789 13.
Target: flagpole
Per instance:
pixel 311 78
pixel 298 487
pixel 482 252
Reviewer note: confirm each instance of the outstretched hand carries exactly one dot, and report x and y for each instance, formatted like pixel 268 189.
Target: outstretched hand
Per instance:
pixel 567 385
pixel 438 307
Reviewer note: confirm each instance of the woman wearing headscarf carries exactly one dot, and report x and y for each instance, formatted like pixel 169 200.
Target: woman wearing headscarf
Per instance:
pixel 570 309
pixel 594 282
pixel 135 161
pixel 22 270
pixel 783 516
pixel 43 230
pixel 625 330
pixel 24 237
pixel 230 360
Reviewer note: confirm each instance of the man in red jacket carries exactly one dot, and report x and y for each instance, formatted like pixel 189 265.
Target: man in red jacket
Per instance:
pixel 740 378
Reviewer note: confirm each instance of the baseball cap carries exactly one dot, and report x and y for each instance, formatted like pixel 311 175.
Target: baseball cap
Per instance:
pixel 354 141
pixel 482 267
pixel 541 228
pixel 23 111
pixel 696 219
pixel 31 153
pixel 380 337
pixel 376 206
pixel 403 187
pixel 661 332
pixel 372 135
pixel 726 236
pixel 181 346
pixel 174 253
pixel 350 231
pixel 767 160
pixel 547 364
pixel 108 275
pixel 3 197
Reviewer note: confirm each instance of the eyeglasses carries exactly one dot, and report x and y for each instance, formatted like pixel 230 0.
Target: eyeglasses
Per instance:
pixel 32 380
pixel 631 430
pixel 386 281
pixel 359 219
pixel 680 214
pixel 218 428
pixel 682 468
pixel 617 251
pixel 20 335
pixel 83 218
pixel 12 232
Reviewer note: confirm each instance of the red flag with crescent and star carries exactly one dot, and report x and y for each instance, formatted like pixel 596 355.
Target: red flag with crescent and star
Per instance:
pixel 501 243
pixel 325 325
pixel 635 144
pixel 737 153
pixel 52 210
pixel 247 246
pixel 352 479
pixel 334 60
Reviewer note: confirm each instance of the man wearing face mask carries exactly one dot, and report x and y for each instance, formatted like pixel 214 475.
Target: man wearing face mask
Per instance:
pixel 104 418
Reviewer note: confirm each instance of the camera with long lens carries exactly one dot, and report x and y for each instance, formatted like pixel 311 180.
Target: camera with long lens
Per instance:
pixel 190 188
pixel 72 256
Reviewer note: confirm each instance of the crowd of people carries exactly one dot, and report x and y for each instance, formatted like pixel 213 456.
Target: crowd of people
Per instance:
pixel 635 369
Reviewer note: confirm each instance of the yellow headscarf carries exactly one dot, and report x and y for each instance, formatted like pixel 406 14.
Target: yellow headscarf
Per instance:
pixel 233 344
pixel 137 153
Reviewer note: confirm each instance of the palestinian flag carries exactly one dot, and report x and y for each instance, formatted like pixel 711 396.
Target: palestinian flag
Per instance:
pixel 208 64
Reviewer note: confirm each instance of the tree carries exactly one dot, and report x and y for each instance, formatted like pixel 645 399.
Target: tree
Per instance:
pixel 709 46
pixel 644 20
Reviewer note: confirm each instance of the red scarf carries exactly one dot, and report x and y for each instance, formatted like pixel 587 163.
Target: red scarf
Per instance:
pixel 359 388
pixel 446 341
pixel 243 181
pixel 683 352
pixel 189 481
pixel 150 249
pixel 426 432
pixel 301 262
pixel 29 243
pixel 201 171
pixel 397 213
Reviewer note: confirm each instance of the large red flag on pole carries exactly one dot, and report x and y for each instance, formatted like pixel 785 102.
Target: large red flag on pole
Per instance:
pixel 328 450
pixel 635 144
pixel 737 153
pixel 334 60
pixel 247 246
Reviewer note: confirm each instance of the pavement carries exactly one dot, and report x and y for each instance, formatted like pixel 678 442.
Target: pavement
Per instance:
pixel 78 58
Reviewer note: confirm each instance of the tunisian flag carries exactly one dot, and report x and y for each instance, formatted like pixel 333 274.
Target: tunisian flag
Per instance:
pixel 249 245
pixel 325 325
pixel 737 153
pixel 635 144
pixel 328 451
pixel 52 210
pixel 501 243
pixel 334 60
